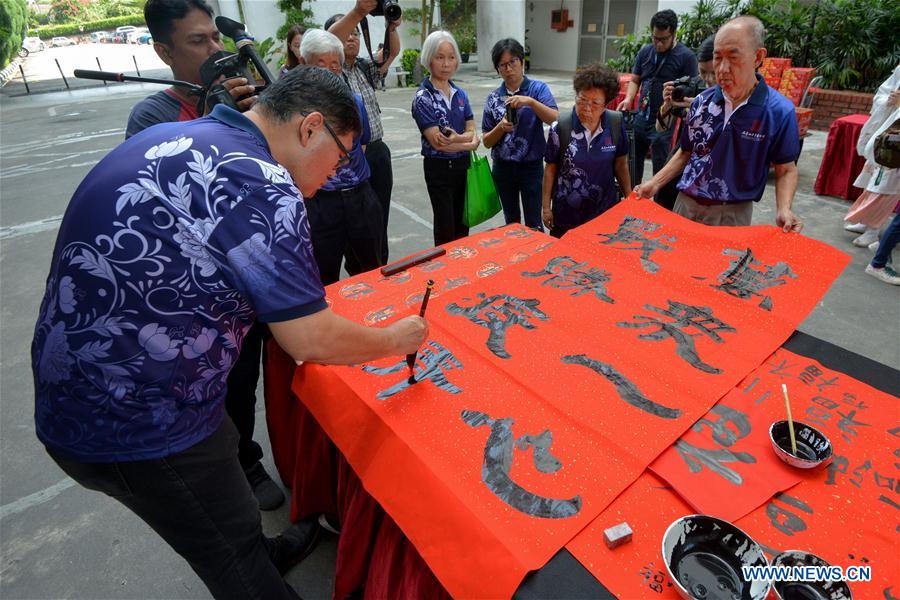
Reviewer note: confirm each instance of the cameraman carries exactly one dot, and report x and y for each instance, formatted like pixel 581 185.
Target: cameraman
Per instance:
pixel 671 109
pixel 364 78
pixel 663 60
pixel 184 36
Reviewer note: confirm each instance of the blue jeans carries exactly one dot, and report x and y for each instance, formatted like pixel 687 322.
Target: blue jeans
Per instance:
pixel 888 241
pixel 646 136
pixel 525 178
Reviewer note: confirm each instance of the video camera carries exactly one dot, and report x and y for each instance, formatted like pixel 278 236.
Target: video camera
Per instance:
pixel 245 63
pixel 687 87
pixel 390 9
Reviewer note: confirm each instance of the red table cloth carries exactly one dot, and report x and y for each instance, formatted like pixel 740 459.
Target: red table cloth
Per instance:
pixel 841 164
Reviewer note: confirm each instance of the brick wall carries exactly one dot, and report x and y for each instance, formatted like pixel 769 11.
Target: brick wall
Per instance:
pixel 829 105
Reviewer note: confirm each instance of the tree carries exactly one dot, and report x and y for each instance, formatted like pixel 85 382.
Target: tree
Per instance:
pixel 66 11
pixel 13 24
pixel 294 14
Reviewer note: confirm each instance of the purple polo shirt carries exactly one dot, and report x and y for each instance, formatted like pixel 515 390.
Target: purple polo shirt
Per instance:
pixel 430 110
pixel 730 162
pixel 526 141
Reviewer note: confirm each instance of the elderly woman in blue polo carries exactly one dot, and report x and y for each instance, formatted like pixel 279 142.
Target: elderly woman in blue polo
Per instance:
pixel 444 116
pixel 513 127
pixel 580 176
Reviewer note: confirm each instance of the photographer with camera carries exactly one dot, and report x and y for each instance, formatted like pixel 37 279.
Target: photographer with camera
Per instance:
pixel 365 77
pixel 134 340
pixel 513 127
pixel 677 97
pixel 733 132
pixel 663 60
pixel 184 36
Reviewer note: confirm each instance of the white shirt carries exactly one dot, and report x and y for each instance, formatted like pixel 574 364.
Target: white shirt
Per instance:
pixel 730 107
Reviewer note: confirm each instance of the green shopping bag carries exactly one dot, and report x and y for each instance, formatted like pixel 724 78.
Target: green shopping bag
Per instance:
pixel 482 201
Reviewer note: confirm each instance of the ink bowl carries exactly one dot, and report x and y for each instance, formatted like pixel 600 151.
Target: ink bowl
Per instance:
pixel 704 556
pixel 807 590
pixel 813 447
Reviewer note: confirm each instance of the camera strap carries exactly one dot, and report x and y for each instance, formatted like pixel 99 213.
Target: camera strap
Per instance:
pixel 364 25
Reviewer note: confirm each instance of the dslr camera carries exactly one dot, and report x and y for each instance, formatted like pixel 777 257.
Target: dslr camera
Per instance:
pixel 390 9
pixel 687 87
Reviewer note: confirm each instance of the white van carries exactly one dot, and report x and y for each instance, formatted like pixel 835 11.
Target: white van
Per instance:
pixel 126 29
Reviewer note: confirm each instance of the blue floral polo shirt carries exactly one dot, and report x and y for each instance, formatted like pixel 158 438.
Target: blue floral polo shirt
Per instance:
pixel 526 142
pixel 730 161
pixel 357 170
pixel 585 181
pixel 168 248
pixel 429 109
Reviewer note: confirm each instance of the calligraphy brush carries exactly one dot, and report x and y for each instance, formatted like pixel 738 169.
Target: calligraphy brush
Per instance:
pixel 411 358
pixel 787 405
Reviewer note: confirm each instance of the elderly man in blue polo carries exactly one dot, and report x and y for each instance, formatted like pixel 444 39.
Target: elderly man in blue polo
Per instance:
pixel 735 130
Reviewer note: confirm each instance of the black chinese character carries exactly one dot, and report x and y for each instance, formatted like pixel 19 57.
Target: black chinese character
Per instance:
pixel 721 433
pixel 625 388
pixel 633 235
pixel 498 313
pixel 564 273
pixel 434 359
pixel 498 459
pixel 685 318
pixel 746 276
pixel 696 458
pixel 792 523
pixel 847 424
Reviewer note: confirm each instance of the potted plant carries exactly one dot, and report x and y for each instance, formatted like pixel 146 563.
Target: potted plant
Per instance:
pixel 465 39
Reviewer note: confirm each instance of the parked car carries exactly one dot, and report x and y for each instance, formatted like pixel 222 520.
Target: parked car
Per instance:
pixel 126 29
pixel 100 37
pixel 119 37
pixel 145 38
pixel 33 44
pixel 60 41
pixel 133 36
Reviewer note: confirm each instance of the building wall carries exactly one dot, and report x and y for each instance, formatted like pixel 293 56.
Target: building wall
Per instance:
pixel 498 19
pixel 551 49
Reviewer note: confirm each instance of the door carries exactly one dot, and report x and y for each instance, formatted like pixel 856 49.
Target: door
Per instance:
pixel 602 23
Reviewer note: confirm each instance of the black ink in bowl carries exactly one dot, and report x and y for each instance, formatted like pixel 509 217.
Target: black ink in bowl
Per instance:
pixel 704 556
pixel 807 590
pixel 813 447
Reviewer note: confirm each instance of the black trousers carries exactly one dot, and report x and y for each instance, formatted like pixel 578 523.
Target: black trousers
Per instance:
pixel 345 223
pixel 646 136
pixel 378 155
pixel 446 183
pixel 240 399
pixel 198 501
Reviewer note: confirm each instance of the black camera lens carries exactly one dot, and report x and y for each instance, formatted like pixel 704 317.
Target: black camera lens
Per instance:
pixel 678 93
pixel 392 10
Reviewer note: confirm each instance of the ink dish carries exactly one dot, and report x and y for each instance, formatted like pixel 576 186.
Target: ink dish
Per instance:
pixel 807 590
pixel 704 556
pixel 813 447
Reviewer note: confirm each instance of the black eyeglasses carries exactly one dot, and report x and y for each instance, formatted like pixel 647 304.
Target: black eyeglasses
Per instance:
pixel 345 154
pixel 662 40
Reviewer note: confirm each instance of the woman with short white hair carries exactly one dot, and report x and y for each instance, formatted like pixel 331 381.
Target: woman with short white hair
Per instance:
pixel 444 116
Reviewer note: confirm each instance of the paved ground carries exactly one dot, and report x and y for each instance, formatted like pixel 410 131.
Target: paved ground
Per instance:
pixel 60 541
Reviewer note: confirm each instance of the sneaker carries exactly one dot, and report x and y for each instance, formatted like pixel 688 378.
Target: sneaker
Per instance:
pixel 294 544
pixel 266 491
pixel 874 246
pixel 855 227
pixel 885 274
pixel 330 524
pixel 870 235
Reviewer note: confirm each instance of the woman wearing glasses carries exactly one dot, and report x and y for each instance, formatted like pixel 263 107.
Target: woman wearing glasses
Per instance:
pixel 345 215
pixel 513 129
pixel 580 177
pixel 444 116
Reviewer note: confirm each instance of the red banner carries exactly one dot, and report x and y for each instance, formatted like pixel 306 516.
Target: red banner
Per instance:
pixel 848 513
pixel 555 373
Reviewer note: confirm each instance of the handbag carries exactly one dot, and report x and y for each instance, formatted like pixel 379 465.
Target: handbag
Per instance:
pixel 887 146
pixel 482 201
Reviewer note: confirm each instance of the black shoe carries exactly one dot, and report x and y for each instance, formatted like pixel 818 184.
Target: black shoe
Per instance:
pixel 295 543
pixel 267 492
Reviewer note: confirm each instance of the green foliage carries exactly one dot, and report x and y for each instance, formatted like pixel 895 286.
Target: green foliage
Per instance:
pixel 13 22
pixel 628 48
pixel 466 36
pixel 703 21
pixel 408 60
pixel 46 33
pixel 851 43
pixel 67 11
pixel 855 43
pixel 105 9
pixel 294 14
